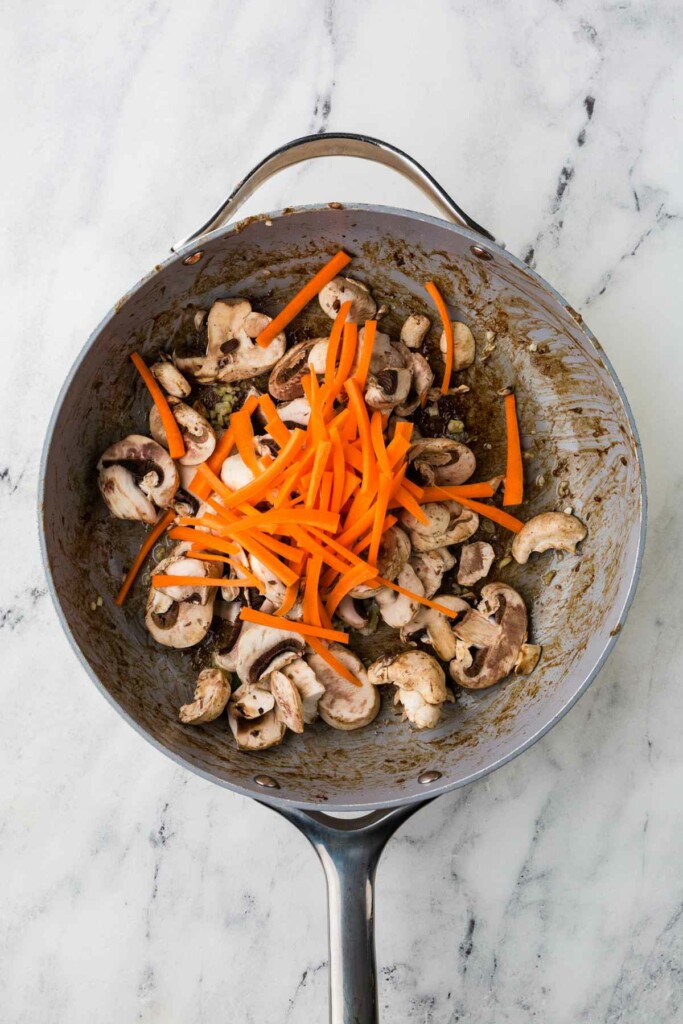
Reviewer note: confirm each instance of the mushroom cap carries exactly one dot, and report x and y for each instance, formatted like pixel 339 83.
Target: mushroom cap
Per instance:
pixel 211 696
pixel 309 686
pixel 142 464
pixel 261 650
pixel 441 461
pixel 198 434
pixel 437 627
pixel 257 733
pixel 476 560
pixel 388 388
pixel 421 380
pixel 252 701
pixel 411 670
pixel 417 710
pixel 288 701
pixel 430 567
pixel 398 609
pixel 285 378
pixel 556 530
pixel 414 330
pixel 345 289
pixel 178 564
pixel 463 345
pixel 448 523
pixel 170 378
pixel 343 705
pixel 496 656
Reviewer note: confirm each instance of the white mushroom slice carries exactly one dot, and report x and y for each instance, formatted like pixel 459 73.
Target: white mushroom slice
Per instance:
pixel 475 562
pixel 258 733
pixel 414 330
pixel 495 656
pixel 556 530
pixel 394 550
pixel 343 705
pixel 296 413
pixel 178 624
pixel 417 710
pixel 345 289
pixel 170 378
pixel 398 609
pixel 422 378
pixel 137 463
pixel 435 627
pixel 476 629
pixel 252 701
pixel 348 612
pixel 388 388
pixel 232 351
pixel 441 461
pixel 417 674
pixel 198 434
pixel 262 650
pixel 448 523
pixel 289 706
pixel 309 687
pixel 463 346
pixel 529 655
pixel 211 696
pixel 430 567
pixel 235 473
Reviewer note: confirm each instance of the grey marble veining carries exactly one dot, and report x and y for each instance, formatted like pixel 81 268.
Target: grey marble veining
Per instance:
pixel 133 891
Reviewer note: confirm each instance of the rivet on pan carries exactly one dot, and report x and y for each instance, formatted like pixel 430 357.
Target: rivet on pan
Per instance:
pixel 426 777
pixel 266 781
pixel 193 258
pixel 482 254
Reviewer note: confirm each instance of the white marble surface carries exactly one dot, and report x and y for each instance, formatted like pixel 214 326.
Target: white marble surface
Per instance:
pixel 133 891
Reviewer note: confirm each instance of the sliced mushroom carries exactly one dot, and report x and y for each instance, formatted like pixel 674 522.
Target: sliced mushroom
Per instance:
pixel 296 413
pixel 420 682
pixel 421 380
pixel 398 609
pixel 309 686
pixel 262 650
pixel 414 330
pixel 178 624
pixel 211 696
pixel 496 655
pixel 134 475
pixel 388 388
pixel 170 378
pixel 386 355
pixel 349 612
pixel 288 701
pixel 430 567
pixel 438 460
pixel 256 733
pixel 343 705
pixel 345 289
pixel 556 530
pixel 251 700
pixel 198 434
pixel 434 627
pixel 235 472
pixel 232 352
pixel 528 659
pixel 476 560
pixel 448 523
pixel 394 550
pixel 285 378
pixel 463 346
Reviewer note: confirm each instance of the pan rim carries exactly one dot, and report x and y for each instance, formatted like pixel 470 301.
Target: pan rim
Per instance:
pixel 437 789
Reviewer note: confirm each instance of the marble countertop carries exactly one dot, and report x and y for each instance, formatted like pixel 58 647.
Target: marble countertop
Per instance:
pixel 134 891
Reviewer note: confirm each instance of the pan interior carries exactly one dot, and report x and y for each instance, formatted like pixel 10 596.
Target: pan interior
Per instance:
pixel 575 425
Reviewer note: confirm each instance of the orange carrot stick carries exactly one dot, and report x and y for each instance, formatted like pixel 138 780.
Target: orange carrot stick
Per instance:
pixel 514 470
pixel 415 597
pixel 174 439
pixel 302 298
pixel 359 574
pixel 139 560
pixel 383 492
pixel 377 434
pixel 289 600
pixel 333 343
pixel 369 334
pixel 448 331
pixel 161 581
pixel 202 488
pixel 262 619
pixel 495 514
pixel 311 599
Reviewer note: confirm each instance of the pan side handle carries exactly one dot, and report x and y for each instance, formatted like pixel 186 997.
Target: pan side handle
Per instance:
pixel 349 850
pixel 310 147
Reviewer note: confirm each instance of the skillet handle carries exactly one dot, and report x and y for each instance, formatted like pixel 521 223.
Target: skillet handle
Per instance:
pixel 349 850
pixel 311 147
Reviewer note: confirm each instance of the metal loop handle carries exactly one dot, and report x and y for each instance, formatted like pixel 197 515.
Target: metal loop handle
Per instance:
pixel 310 147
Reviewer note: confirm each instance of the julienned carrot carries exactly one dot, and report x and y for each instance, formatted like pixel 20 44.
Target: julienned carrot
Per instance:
pixel 352 578
pixel 369 334
pixel 161 581
pixel 377 434
pixel 404 498
pixel 415 597
pixel 289 600
pixel 448 332
pixel 200 487
pixel 203 556
pixel 323 501
pixel 346 358
pixel 454 493
pixel 203 540
pixel 514 469
pixel 333 343
pixel 150 540
pixel 338 470
pixel 255 489
pixel 360 411
pixel 328 521
pixel 495 514
pixel 303 297
pixel 311 599
pixel 174 439
pixel 319 465
pixel 262 619
pixel 383 493
pixel 332 661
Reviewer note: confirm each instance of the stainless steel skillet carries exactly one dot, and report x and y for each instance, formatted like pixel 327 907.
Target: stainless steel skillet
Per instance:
pixel 578 428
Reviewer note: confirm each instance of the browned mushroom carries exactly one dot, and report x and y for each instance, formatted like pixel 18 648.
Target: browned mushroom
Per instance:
pixel 494 655
pixel 286 376
pixel 438 460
